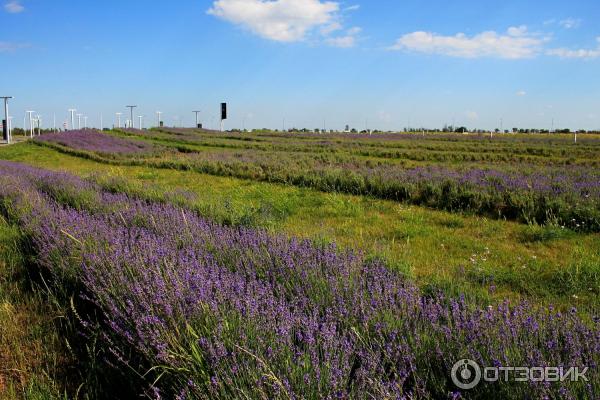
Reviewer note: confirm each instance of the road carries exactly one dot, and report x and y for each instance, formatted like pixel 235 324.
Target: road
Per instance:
pixel 16 139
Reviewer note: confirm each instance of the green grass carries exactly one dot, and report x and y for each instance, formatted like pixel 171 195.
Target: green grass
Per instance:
pixel 484 259
pixel 33 357
pixel 41 352
pixel 371 167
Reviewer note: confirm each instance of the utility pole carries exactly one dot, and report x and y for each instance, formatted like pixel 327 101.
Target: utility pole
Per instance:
pixel 72 111
pixel 119 120
pixel 79 121
pixel 197 112
pixel 85 122
pixel 131 111
pixel 10 127
pixel 7 130
pixel 30 122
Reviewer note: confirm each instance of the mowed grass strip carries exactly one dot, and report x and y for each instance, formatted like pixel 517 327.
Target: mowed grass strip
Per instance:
pixel 484 259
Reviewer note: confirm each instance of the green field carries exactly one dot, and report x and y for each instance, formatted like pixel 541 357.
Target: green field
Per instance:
pixel 450 239
pixel 457 252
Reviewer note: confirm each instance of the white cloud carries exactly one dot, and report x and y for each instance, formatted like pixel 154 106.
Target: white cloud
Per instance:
pixel 568 53
pixel 570 23
pixel 355 7
pixel 14 7
pixel 279 20
pixel 355 30
pixel 579 53
pixel 334 26
pixel 346 41
pixel 521 93
pixel 517 43
pixel 341 41
pixel 517 31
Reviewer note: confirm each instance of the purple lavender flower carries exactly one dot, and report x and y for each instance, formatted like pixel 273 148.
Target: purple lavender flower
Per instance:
pixel 91 140
pixel 214 311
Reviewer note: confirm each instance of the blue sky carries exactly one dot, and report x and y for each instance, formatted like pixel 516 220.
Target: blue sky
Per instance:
pixel 378 63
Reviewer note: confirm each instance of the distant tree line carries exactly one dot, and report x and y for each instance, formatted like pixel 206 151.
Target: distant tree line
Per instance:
pixel 25 132
pixel 445 129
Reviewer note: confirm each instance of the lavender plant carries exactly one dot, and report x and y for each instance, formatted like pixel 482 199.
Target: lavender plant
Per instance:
pixel 94 141
pixel 533 189
pixel 199 310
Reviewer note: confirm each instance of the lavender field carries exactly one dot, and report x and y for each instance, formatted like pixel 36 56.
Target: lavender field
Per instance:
pixel 528 179
pixel 163 287
pixel 96 142
pixel 300 200
pixel 187 308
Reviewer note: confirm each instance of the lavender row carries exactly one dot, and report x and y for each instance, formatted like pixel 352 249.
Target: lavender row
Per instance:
pixel 218 312
pixel 397 136
pixel 582 183
pixel 567 196
pixel 93 141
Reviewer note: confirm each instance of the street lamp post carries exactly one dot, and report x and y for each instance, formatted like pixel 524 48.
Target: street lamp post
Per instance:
pixel 30 122
pixel 7 132
pixel 131 119
pixel 197 123
pixel 38 124
pixel 72 111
